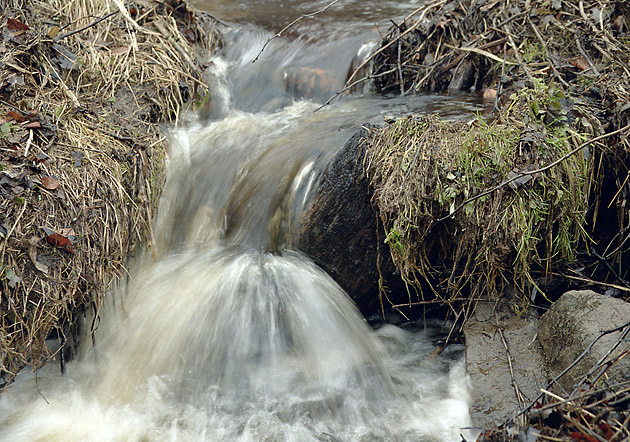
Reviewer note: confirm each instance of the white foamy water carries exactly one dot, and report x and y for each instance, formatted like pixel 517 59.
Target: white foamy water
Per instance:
pixel 231 334
pixel 248 346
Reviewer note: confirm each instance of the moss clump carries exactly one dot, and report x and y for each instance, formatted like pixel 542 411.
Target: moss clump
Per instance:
pixel 462 203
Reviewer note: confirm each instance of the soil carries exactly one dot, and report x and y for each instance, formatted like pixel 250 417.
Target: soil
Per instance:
pixel 84 87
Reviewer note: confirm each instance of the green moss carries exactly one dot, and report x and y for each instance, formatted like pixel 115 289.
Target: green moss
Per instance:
pixel 454 202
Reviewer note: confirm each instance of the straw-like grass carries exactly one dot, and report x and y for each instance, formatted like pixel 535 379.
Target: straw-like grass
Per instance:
pixel 81 153
pixel 424 170
pixel 569 65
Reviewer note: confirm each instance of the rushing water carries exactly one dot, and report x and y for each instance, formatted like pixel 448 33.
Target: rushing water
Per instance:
pixel 231 334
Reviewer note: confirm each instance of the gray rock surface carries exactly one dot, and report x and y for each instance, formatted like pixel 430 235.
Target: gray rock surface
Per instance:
pixel 504 363
pixel 339 229
pixel 572 324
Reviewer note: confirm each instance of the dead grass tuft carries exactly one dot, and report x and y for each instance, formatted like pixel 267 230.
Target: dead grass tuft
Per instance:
pixel 452 216
pixel 83 87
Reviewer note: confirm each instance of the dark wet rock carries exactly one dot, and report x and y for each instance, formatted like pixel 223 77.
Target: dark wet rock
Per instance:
pixel 339 230
pixel 494 382
pixel 572 324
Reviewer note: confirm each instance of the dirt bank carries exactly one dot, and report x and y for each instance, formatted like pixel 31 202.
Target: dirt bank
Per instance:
pixel 84 87
pixel 557 76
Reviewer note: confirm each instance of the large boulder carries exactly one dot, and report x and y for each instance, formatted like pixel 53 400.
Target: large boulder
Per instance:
pixel 339 230
pixel 572 324
pixel 504 363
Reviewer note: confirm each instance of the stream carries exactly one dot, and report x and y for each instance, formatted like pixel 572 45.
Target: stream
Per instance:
pixel 230 333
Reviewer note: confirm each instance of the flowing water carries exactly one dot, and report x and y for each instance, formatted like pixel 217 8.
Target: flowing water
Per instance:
pixel 231 334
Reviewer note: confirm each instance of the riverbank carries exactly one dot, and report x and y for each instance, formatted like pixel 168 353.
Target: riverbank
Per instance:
pixel 84 89
pixel 561 118
pixel 518 208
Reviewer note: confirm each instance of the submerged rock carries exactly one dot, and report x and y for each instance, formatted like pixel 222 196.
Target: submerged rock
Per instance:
pixel 340 230
pixel 572 324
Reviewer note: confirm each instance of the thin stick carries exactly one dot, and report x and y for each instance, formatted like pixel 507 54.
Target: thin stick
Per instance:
pixel 592 281
pixel 94 23
pixel 517 390
pixel 350 86
pixel 479 51
pixel 534 172
pixel 6 239
pixel 299 19
pixel 400 73
pixel 573 364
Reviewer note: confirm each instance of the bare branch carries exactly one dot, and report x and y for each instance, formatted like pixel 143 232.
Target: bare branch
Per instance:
pixel 299 19
pixel 534 172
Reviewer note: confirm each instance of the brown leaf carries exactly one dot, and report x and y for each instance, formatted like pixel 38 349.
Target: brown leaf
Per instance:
pixel 52 32
pixel 580 63
pixel 16 116
pixel 16 25
pixel 32 253
pixel 49 182
pixel 33 125
pixel 60 241
pixel 120 50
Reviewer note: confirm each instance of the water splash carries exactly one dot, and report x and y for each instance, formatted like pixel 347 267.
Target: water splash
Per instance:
pixel 229 335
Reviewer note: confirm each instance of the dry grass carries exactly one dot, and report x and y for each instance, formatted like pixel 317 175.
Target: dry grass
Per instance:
pixel 579 56
pixel 81 153
pixel 423 171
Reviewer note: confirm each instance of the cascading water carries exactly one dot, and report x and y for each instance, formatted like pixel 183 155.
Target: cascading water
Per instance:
pixel 231 334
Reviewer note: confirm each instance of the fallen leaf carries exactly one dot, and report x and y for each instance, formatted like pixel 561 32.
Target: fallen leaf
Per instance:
pixel 120 50
pixel 41 267
pixel 60 241
pixel 32 253
pixel 16 116
pixel 17 138
pixel 52 32
pixel 489 94
pixel 68 232
pixel 66 59
pixel 580 63
pixel 49 182
pixel 5 129
pixel 16 80
pixel 78 157
pixel 10 275
pixel 33 125
pixel 517 182
pixel 16 25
